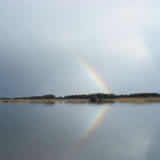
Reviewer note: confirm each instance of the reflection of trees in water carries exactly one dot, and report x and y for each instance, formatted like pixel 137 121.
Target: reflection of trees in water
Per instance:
pixel 49 104
pixel 46 104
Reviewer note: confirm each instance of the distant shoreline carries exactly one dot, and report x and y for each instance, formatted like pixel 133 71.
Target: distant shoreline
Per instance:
pixel 88 98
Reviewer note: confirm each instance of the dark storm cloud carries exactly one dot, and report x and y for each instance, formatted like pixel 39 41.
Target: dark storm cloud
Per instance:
pixel 35 71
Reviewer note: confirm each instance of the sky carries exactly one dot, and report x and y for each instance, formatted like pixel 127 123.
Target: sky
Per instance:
pixel 41 42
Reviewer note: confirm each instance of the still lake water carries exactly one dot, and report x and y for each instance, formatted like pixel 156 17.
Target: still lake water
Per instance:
pixel 79 131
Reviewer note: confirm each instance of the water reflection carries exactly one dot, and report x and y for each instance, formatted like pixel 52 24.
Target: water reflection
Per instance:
pixel 126 133
pixel 35 133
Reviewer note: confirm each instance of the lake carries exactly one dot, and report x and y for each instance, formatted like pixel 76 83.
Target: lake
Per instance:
pixel 65 131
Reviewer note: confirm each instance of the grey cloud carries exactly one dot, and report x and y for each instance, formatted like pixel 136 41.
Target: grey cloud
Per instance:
pixel 40 42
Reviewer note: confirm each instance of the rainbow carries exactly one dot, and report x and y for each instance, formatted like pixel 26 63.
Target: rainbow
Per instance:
pixel 92 72
pixel 100 115
pixel 97 121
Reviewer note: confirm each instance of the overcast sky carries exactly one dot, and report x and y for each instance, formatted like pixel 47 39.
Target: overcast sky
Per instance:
pixel 40 42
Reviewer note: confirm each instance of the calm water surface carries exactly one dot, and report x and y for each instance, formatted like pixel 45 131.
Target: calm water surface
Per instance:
pixel 79 131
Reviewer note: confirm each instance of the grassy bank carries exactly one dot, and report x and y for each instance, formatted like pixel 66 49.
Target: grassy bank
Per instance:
pixel 86 100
